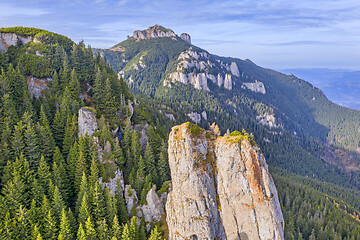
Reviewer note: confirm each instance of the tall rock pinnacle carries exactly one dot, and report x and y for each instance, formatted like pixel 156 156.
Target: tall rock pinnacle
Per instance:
pixel 222 188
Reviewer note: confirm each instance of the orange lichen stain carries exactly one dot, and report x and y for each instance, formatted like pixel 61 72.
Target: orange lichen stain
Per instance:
pixel 254 175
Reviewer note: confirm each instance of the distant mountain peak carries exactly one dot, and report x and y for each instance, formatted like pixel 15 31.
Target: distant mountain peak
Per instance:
pixel 158 31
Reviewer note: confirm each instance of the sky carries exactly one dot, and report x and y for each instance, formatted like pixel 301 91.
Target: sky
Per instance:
pixel 277 34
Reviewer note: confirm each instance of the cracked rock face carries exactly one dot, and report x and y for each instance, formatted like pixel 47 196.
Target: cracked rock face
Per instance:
pixel 87 122
pixel 221 188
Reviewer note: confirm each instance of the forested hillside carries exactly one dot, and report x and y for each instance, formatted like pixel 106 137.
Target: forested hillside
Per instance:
pixel 49 174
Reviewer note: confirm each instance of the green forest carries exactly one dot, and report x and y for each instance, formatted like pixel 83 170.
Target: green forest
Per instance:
pixel 49 174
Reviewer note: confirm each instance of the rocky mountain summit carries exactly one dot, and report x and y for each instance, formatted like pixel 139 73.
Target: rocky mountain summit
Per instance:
pixel 222 188
pixel 158 31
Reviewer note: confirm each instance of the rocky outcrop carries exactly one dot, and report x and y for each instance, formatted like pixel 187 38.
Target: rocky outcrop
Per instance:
pixel 199 81
pixel 267 120
pixel 234 69
pixel 11 39
pixel 155 31
pixel 37 85
pixel 222 188
pixel 186 37
pixel 130 198
pixel 113 182
pixel 228 82
pixel 154 208
pixel 256 86
pixel 194 116
pixel 87 121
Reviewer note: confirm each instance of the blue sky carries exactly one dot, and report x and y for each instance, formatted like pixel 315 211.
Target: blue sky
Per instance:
pixel 276 34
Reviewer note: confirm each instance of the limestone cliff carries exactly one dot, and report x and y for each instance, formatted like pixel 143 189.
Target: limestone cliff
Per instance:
pixel 11 39
pixel 222 188
pixel 155 31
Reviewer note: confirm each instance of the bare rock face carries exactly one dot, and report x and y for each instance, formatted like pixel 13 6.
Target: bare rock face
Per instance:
pixel 130 198
pixel 37 85
pixel 113 182
pixel 194 116
pixel 11 39
pixel 228 82
pixel 186 37
pixel 155 31
pixel 256 86
pixel 87 121
pixel 222 188
pixel 154 209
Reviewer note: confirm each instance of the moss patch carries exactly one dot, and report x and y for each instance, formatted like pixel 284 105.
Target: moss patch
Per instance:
pixel 193 128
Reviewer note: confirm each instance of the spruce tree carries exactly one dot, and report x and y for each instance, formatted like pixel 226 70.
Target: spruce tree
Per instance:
pixel 155 234
pixel 58 203
pixel 81 235
pixel 43 173
pixel 98 203
pixel 103 230
pixel 65 228
pixel 116 229
pixel 120 203
pixel 90 230
pixel 84 211
pixel 50 228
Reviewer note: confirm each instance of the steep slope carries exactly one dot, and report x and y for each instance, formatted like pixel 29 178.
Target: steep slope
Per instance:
pixel 222 188
pixel 281 110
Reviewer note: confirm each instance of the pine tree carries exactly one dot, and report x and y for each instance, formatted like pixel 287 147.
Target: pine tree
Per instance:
pixel 151 163
pixel 84 211
pixel 140 175
pixel 81 235
pixel 46 140
pixel 155 234
pixel 22 227
pixel 116 229
pixel 94 172
pixel 120 203
pixel 58 203
pixel 43 173
pixel 118 154
pixel 36 191
pixel 74 85
pixel 80 169
pixel 90 230
pixel 17 141
pixel 84 188
pixel 103 230
pixel 98 203
pixel 70 134
pixel 133 229
pixel 65 228
pixel 164 169
pixel 126 233
pixel 50 226
pixel 35 232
